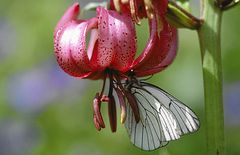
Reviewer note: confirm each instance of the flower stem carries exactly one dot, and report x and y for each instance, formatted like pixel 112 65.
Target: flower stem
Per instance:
pixel 209 37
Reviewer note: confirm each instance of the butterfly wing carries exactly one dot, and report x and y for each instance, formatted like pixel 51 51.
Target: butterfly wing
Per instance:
pixel 163 117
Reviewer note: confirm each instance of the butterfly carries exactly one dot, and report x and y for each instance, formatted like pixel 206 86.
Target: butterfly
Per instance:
pixel 163 118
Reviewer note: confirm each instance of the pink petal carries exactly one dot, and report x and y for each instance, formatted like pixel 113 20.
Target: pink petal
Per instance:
pixel 125 41
pixel 103 52
pixel 77 42
pixel 159 52
pixel 71 14
pixel 149 46
pixel 92 41
pixel 172 50
pixel 69 43
pixel 116 45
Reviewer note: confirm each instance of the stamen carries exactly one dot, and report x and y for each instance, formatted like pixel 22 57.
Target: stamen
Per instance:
pixel 97 113
pixel 97 116
pixel 149 8
pixel 96 123
pixel 122 104
pixel 104 83
pixel 131 100
pixel 133 8
pixel 117 5
pixel 112 112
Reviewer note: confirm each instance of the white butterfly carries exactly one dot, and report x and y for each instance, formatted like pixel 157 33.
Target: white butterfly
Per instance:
pixel 162 117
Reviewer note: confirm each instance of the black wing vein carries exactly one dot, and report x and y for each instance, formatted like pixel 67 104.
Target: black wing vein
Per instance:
pixel 162 117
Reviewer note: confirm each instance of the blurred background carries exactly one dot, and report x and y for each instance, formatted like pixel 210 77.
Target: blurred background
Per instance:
pixel 43 111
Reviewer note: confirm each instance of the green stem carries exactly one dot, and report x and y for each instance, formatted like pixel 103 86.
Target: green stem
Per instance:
pixel 209 36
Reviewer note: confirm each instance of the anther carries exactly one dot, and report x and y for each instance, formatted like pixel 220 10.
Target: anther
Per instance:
pixel 96 123
pixel 122 105
pixel 97 112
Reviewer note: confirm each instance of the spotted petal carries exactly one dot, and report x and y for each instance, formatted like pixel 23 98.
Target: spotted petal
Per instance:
pixel 70 43
pixel 116 44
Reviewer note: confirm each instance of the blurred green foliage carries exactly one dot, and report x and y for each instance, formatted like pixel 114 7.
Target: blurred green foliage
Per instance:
pixel 65 125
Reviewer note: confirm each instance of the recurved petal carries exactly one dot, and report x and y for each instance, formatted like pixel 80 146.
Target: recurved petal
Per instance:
pixel 71 14
pixel 144 56
pixel 65 45
pixel 172 49
pixel 116 45
pixel 70 43
pixel 77 42
pixel 159 52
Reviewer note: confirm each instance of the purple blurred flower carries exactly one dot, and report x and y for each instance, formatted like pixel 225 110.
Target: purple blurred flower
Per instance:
pixel 29 91
pixel 18 137
pixel 231 104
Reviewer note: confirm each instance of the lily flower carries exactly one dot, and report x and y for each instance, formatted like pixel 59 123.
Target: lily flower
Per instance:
pixel 111 54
